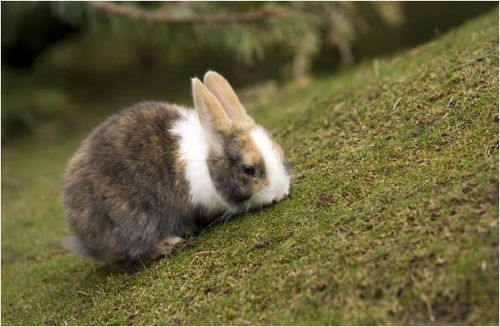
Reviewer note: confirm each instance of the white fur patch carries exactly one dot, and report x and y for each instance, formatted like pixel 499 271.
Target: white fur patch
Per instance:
pixel 193 151
pixel 279 180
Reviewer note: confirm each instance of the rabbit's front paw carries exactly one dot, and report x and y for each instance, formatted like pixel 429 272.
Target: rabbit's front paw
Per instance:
pixel 165 246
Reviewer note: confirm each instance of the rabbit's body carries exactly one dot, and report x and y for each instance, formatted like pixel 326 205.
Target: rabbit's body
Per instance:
pixel 125 173
pixel 150 175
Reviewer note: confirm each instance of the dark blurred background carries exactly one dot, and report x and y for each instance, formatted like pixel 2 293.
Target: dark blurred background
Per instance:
pixel 67 64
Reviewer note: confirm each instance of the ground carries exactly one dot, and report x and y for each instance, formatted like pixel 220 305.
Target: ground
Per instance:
pixel 392 216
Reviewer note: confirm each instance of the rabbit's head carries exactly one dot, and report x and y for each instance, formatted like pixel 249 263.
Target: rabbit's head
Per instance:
pixel 247 168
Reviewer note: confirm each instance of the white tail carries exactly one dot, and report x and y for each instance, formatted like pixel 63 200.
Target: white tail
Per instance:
pixel 72 243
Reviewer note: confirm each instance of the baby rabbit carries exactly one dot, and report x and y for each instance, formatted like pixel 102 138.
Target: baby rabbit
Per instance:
pixel 152 174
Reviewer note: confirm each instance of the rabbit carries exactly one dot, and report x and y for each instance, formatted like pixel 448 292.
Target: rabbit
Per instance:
pixel 153 174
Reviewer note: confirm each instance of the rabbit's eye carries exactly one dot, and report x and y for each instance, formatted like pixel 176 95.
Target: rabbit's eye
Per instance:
pixel 249 170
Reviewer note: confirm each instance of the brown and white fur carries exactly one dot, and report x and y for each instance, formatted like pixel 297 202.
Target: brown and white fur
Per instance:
pixel 154 173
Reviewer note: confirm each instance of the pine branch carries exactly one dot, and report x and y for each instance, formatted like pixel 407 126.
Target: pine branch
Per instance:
pixel 110 8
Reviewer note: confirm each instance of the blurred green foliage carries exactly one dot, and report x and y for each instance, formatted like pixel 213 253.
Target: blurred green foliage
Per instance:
pixel 58 57
pixel 39 104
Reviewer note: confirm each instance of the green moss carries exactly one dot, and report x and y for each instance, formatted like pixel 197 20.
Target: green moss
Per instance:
pixel 392 217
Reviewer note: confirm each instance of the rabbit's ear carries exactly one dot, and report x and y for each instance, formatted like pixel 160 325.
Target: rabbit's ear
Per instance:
pixel 212 115
pixel 221 88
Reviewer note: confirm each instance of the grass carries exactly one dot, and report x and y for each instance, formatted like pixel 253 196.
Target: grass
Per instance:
pixel 392 218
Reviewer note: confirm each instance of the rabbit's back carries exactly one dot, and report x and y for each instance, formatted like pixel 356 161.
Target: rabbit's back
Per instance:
pixel 124 189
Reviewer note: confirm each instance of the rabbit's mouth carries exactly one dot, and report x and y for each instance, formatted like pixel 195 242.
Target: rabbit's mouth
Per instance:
pixel 266 198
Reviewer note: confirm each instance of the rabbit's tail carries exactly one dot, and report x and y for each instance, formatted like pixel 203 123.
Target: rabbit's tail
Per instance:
pixel 74 244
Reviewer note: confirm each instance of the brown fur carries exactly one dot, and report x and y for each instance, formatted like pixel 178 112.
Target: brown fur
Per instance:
pixel 121 182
